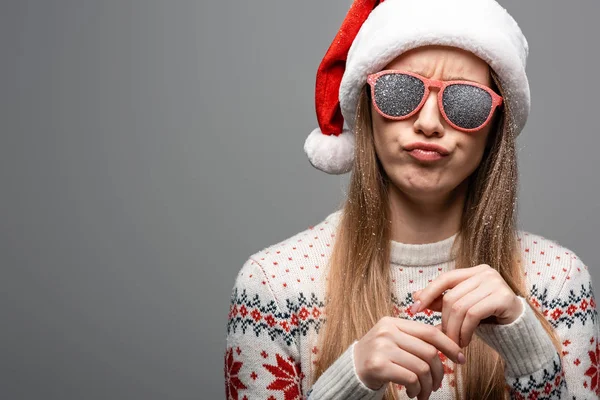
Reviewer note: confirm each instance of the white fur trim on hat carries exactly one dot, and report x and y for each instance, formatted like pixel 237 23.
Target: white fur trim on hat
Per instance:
pixel 482 27
pixel 330 153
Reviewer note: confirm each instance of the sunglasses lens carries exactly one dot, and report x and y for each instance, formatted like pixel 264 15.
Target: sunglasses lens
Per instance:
pixel 467 106
pixel 397 95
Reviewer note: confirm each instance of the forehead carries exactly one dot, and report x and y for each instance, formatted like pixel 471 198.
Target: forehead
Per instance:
pixel 443 62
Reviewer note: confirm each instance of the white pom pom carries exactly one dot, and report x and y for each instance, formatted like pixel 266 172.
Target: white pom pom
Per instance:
pixel 330 153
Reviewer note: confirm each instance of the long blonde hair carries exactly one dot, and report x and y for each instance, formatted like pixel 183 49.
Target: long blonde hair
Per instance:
pixel 359 291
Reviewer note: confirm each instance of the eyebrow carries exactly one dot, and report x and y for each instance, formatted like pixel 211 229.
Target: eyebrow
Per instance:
pixel 448 78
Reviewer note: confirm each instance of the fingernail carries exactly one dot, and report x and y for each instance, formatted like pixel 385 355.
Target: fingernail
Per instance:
pixel 415 306
pixel 461 358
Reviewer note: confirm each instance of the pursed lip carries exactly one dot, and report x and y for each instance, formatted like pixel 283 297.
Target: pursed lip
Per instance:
pixel 427 146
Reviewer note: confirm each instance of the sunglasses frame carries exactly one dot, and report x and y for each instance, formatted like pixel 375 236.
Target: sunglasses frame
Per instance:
pixel 429 83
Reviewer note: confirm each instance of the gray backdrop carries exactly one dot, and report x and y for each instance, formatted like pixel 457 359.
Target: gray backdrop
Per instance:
pixel 149 147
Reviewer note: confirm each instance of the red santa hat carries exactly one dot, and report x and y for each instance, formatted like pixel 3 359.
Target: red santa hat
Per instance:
pixel 375 32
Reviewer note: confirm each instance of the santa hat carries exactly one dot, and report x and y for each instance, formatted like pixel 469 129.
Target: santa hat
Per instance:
pixel 375 32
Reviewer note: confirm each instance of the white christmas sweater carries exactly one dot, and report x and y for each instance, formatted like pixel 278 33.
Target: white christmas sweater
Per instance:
pixel 276 314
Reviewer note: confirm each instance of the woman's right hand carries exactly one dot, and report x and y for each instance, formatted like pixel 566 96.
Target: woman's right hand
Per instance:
pixel 404 352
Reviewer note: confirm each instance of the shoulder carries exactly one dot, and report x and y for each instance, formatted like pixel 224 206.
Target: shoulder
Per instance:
pixel 551 269
pixel 542 253
pixel 294 266
pixel 301 248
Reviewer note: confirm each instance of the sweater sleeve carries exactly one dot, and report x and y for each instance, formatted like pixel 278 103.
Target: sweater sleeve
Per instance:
pixel 533 366
pixel 340 381
pixel 262 357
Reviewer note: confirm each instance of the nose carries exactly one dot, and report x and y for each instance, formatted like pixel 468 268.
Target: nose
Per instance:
pixel 429 117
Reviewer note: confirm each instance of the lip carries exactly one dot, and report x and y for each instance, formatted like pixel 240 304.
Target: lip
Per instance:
pixel 423 155
pixel 427 147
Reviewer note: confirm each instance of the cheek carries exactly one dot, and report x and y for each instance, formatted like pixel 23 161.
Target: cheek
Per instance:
pixel 469 154
pixel 388 140
pixel 385 140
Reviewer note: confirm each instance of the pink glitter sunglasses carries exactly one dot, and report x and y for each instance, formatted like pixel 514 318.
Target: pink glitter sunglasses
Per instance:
pixel 466 106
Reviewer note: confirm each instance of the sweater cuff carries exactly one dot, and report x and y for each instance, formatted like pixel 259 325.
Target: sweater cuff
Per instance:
pixel 523 344
pixel 340 381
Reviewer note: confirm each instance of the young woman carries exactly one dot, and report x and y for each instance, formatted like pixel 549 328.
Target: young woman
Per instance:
pixel 420 285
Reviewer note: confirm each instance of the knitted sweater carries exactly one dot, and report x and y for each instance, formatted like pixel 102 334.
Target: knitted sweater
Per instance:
pixel 277 312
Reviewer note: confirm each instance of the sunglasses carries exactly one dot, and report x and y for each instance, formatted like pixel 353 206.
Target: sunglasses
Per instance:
pixel 466 106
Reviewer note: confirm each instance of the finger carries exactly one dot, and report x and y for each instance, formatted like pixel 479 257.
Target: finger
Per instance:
pixel 444 281
pixel 400 375
pixel 436 304
pixel 415 364
pixel 484 308
pixel 455 295
pixel 432 335
pixel 425 352
pixel 460 308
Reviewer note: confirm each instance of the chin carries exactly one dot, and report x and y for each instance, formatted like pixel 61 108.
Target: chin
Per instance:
pixel 420 188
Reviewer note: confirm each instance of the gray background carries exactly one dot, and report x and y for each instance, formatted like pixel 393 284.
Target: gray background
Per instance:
pixel 149 147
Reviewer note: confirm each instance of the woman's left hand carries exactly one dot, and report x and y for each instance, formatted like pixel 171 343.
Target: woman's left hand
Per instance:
pixel 477 293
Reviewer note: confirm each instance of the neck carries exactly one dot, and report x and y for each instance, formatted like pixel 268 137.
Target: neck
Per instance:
pixel 425 219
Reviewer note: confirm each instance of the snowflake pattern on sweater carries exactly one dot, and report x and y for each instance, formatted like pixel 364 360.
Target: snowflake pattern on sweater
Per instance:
pixel 277 311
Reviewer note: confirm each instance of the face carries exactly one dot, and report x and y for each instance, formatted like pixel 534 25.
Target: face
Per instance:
pixel 432 179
